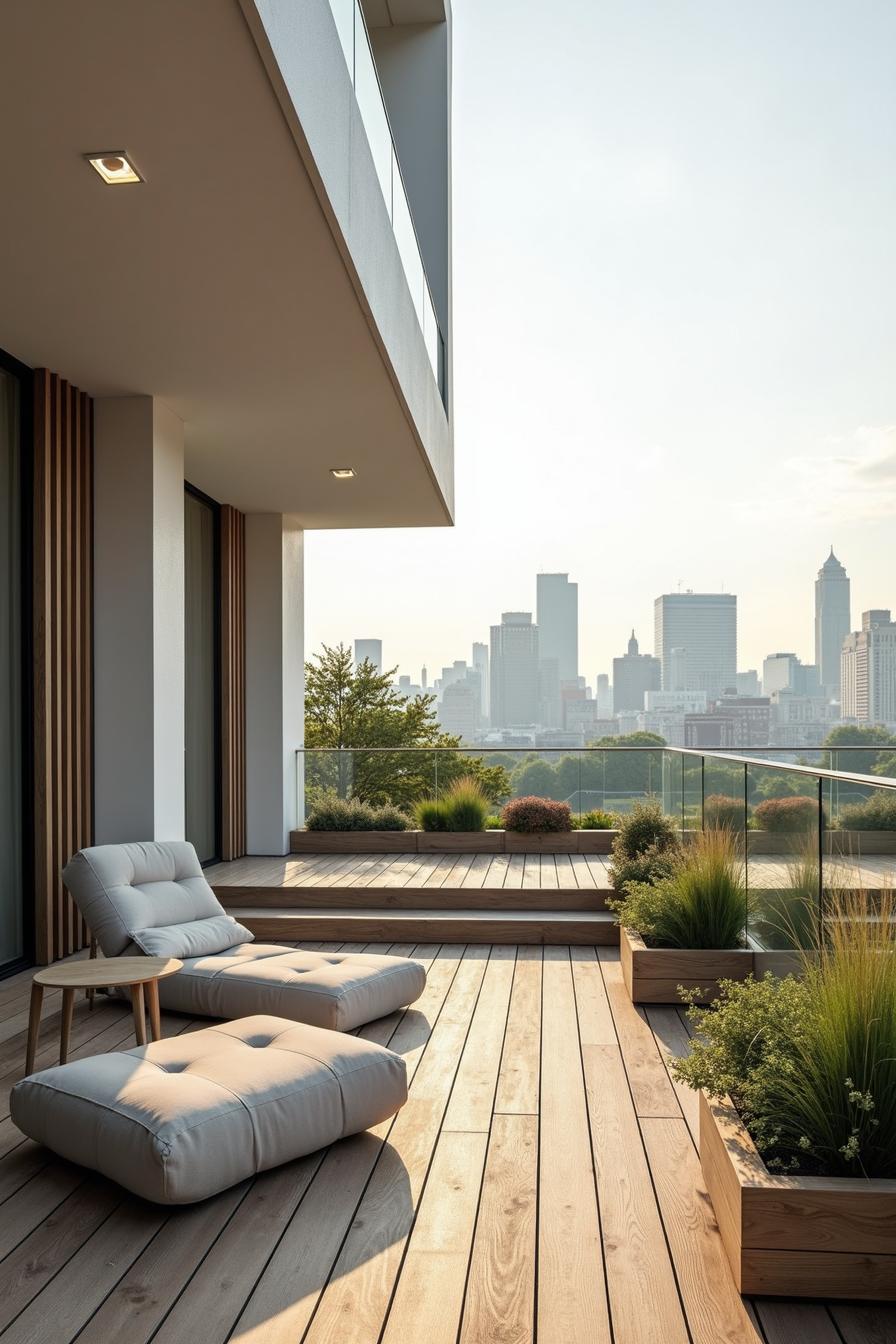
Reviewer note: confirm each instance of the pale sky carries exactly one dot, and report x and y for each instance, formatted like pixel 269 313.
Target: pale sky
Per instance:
pixel 674 327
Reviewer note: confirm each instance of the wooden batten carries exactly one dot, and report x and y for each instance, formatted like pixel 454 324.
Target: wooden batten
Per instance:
pixel 63 654
pixel 233 683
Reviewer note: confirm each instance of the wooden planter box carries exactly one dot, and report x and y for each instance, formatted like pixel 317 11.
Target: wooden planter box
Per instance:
pixel 856 844
pixel 449 842
pixel 653 974
pixel 795 1236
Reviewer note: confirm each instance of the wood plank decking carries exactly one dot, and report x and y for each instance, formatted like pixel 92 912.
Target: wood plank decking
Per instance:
pixel 541 1183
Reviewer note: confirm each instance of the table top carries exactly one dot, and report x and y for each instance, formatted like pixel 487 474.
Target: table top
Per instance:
pixel 102 971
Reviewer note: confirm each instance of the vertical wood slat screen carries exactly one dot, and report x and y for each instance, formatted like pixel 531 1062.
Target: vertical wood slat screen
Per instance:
pixel 233 683
pixel 63 654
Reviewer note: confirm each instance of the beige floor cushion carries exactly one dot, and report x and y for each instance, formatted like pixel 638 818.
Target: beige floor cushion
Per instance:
pixel 153 898
pixel 183 1118
pixel 339 990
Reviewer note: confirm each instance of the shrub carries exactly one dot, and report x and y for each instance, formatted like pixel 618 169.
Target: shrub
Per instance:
pixel 721 810
pixel 700 903
pixel 350 814
pixel 493 823
pixel 533 815
pixel 810 1063
pixel 787 814
pixel 462 807
pixel 645 848
pixel 643 828
pixel 877 813
pixel 596 820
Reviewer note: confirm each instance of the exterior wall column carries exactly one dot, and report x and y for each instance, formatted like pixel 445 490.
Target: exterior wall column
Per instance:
pixel 138 620
pixel 275 679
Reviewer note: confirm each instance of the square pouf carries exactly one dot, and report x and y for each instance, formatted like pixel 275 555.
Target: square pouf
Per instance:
pixel 181 1119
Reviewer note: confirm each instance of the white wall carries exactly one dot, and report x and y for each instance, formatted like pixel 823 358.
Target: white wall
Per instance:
pixel 138 620
pixel 275 679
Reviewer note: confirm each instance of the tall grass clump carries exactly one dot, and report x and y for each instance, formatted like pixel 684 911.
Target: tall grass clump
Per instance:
pixel 462 807
pixel 810 1061
pixel 700 904
pixel 331 813
pixel 787 917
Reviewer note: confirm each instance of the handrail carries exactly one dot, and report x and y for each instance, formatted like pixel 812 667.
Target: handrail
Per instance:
pixel 730 757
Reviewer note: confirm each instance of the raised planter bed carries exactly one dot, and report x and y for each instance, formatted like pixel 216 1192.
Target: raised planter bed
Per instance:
pixel 795 1236
pixel 856 844
pixel 653 974
pixel 450 842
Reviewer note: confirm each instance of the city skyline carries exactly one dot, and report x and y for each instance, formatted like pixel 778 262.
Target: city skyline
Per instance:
pixel 676 363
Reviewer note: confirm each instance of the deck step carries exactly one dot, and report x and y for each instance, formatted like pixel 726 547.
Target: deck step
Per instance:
pixel 545 900
pixel 428 926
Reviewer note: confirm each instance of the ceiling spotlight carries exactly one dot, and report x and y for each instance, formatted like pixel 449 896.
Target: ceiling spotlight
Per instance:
pixel 342 473
pixel 114 167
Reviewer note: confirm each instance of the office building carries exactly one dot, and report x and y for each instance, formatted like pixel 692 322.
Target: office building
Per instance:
pixel 233 329
pixel 731 721
pixel 832 622
pixel 459 709
pixel 480 662
pixel 704 626
pixel 513 664
pixel 748 683
pixel 371 651
pixel 634 674
pixel 557 617
pixel 787 672
pixel 868 670
pixel 604 696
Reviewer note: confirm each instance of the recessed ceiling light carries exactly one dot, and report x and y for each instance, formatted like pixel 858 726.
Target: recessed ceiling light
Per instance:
pixel 114 167
pixel 342 473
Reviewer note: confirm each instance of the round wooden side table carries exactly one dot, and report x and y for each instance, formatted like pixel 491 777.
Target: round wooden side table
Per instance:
pixel 104 973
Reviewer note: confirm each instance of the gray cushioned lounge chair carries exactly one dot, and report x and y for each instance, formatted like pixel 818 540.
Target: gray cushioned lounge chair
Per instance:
pixel 153 898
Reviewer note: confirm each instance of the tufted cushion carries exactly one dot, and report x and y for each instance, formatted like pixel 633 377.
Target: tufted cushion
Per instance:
pixel 183 1118
pixel 340 990
pixel 128 890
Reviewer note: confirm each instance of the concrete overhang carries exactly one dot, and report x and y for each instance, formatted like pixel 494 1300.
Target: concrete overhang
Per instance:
pixel 224 283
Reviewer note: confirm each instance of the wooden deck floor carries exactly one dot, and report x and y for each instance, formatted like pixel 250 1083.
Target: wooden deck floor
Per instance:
pixel 542 1183
pixel 431 871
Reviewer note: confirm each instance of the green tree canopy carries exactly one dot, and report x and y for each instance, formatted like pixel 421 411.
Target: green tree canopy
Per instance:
pixel 870 762
pixel 353 708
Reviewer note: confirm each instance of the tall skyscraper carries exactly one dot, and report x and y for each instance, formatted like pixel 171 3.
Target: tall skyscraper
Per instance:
pixel 557 617
pixel 514 671
pixel 634 674
pixel 480 662
pixel 372 650
pixel 868 670
pixel 832 622
pixel 704 625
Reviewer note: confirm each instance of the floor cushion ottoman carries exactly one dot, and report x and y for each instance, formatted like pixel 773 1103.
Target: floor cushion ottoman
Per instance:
pixel 180 1119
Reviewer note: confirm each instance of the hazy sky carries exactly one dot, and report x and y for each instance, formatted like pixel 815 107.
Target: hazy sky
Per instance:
pixel 674 326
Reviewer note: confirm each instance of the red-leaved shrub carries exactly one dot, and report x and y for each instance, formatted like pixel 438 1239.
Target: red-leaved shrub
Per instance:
pixel 531 815
pixel 787 814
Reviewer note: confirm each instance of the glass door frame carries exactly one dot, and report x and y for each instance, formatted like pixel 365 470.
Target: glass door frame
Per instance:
pixel 215 508
pixel 25 378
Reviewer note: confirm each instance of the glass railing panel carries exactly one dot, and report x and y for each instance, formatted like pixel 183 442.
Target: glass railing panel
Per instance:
pixel 344 16
pixel 784 857
pixel 724 795
pixel 373 113
pixel 406 238
pixel 691 793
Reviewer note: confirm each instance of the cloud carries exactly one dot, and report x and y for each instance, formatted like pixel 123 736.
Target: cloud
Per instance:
pixel 849 479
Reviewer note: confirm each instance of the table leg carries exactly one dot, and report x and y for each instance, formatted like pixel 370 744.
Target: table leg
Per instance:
pixel 139 1018
pixel 155 1019
pixel 37 998
pixel 65 1034
pixel 91 993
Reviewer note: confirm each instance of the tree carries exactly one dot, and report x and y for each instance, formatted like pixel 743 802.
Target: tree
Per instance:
pixel 627 774
pixel 870 762
pixel 350 710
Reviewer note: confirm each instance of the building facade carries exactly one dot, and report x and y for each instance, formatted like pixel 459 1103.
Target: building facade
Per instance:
pixel 634 675
pixel 514 669
pixel 273 354
pixel 868 670
pixel 557 617
pixel 832 622
pixel 704 627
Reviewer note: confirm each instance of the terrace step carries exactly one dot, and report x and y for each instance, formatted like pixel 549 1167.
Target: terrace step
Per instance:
pixel 429 926
pixel 544 900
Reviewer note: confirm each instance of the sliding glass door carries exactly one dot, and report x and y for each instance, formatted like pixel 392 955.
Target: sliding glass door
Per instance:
pixel 12 810
pixel 201 681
